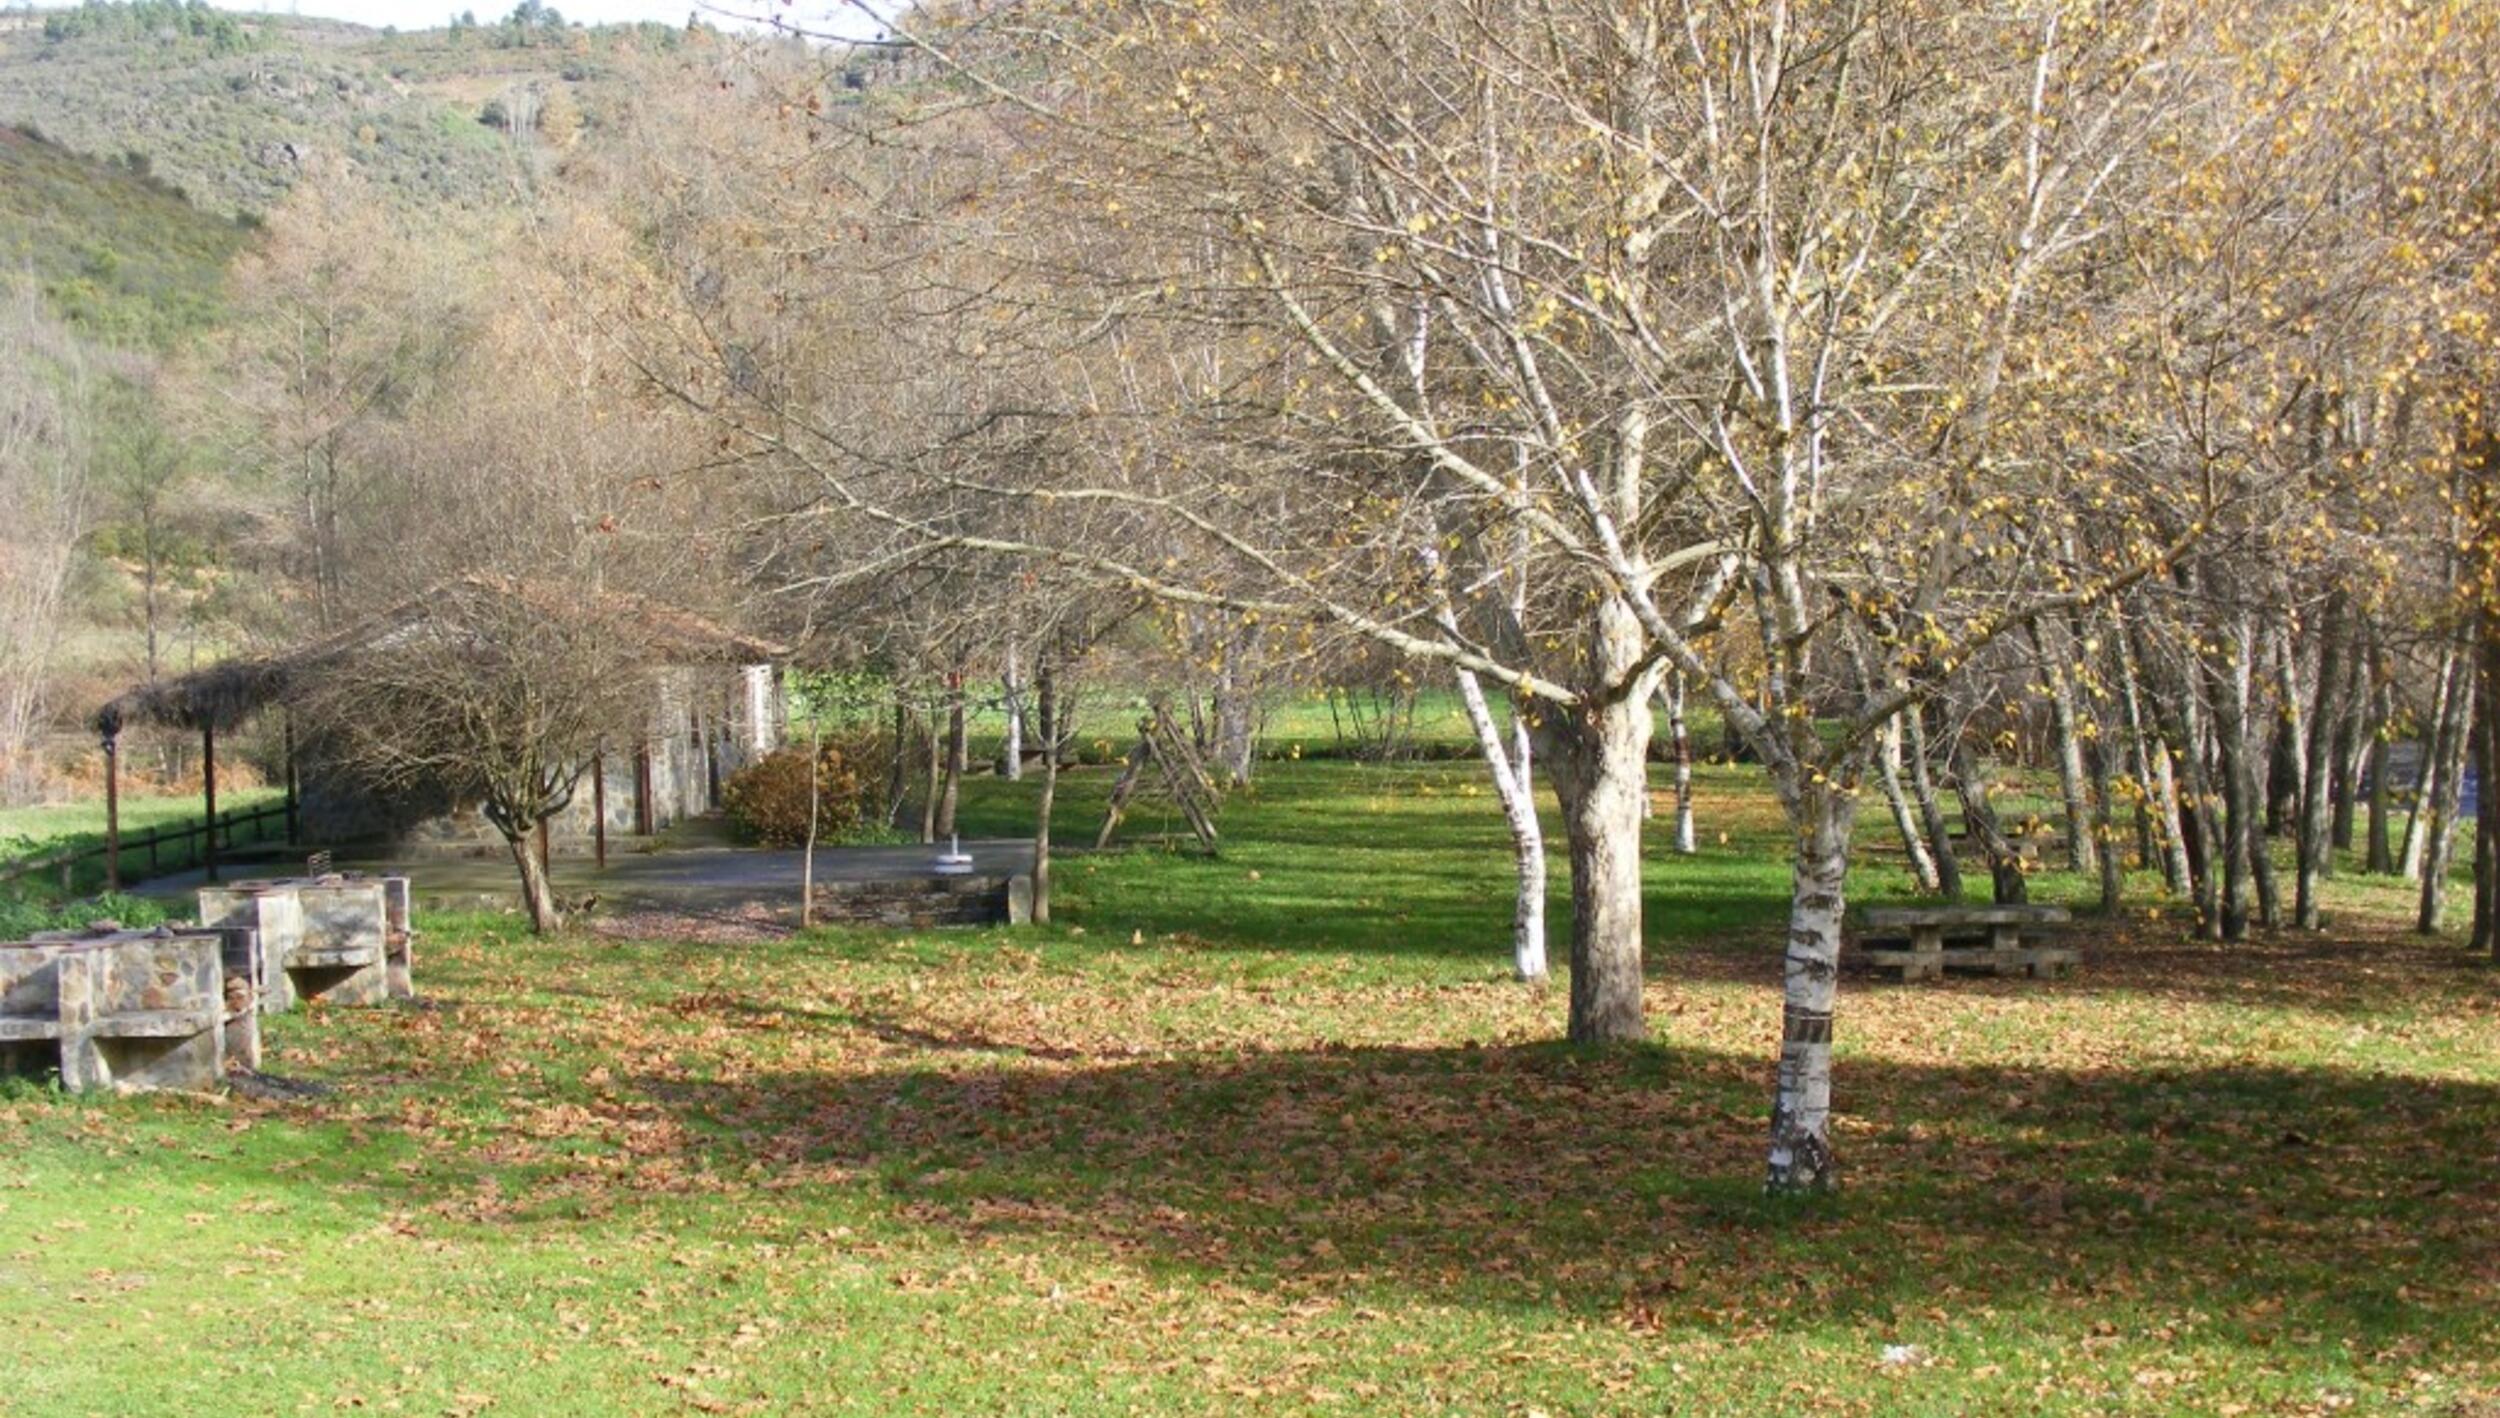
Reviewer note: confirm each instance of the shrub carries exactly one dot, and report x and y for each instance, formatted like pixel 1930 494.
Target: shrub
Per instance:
pixel 766 801
pixel 20 919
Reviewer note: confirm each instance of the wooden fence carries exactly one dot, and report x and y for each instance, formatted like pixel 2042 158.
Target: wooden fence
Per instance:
pixel 236 828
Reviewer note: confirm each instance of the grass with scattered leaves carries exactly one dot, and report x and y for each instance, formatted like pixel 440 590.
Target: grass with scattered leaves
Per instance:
pixel 1273 1133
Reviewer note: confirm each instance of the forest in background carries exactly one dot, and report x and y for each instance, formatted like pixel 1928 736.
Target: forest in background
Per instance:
pixel 162 164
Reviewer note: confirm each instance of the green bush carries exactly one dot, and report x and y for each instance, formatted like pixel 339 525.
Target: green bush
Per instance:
pixel 20 919
pixel 766 801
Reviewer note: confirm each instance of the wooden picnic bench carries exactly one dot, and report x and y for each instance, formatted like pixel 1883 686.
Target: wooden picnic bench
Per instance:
pixel 1922 942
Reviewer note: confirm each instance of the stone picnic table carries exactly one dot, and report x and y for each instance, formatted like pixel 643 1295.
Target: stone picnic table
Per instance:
pixel 1922 942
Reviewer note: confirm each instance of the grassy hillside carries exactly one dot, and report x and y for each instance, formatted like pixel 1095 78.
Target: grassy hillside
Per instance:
pixel 232 129
pixel 442 117
pixel 121 255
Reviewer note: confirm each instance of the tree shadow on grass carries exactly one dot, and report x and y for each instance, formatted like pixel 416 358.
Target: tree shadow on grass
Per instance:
pixel 2350 973
pixel 1626 1184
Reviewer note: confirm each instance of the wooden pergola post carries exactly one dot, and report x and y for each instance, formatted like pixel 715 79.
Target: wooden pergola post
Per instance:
pixel 208 791
pixel 112 809
pixel 645 807
pixel 599 808
pixel 294 824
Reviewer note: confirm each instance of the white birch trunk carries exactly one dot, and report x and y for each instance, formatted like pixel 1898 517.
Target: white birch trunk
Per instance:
pixel 2228 670
pixel 1054 729
pixel 2447 793
pixel 1683 742
pixel 1904 817
pixel 1514 785
pixel 2082 853
pixel 1801 1108
pixel 2317 788
pixel 2153 775
pixel 1930 809
pixel 2427 773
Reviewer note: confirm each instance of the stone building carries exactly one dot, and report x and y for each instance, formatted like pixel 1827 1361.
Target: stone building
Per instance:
pixel 716 704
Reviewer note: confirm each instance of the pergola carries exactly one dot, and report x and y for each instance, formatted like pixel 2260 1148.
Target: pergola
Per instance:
pixel 221 697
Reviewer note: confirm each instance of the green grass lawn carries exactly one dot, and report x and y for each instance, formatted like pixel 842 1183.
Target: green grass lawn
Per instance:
pixel 1273 1133
pixel 37 829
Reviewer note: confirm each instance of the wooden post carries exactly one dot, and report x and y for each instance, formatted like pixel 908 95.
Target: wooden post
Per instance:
pixel 711 766
pixel 294 822
pixel 208 790
pixel 599 808
pixel 112 812
pixel 546 859
pixel 815 801
pixel 644 807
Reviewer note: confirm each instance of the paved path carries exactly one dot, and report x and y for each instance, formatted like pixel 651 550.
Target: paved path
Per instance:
pixel 710 878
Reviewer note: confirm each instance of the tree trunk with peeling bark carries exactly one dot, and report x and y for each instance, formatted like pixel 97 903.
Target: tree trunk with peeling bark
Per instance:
pixel 936 778
pixel 1046 685
pixel 2317 789
pixel 2005 861
pixel 1931 808
pixel 950 788
pixel 1913 841
pixel 2486 938
pixel 2352 742
pixel 2284 775
pixel 2111 861
pixel 2426 774
pixel 1514 785
pixel 1801 1106
pixel 2158 787
pixel 1682 740
pixel 1599 749
pixel 2227 670
pixel 2082 853
pixel 2382 853
pixel 898 766
pixel 2447 794
pixel 815 816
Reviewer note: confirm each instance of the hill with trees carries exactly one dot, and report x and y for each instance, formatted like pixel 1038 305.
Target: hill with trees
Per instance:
pixel 115 250
pixel 186 192
pixel 230 108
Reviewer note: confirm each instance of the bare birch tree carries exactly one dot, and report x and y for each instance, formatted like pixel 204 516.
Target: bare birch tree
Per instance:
pixel 1812 351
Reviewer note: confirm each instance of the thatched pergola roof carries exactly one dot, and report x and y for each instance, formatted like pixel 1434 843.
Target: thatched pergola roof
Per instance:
pixel 221 697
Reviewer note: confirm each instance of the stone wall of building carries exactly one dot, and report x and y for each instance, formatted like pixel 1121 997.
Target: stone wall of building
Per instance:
pixel 704 726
